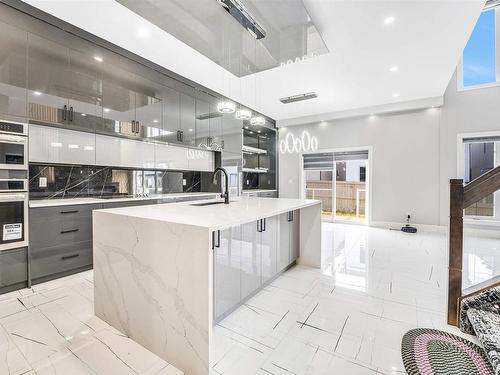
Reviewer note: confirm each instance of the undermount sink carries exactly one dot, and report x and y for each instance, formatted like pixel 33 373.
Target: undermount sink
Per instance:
pixel 207 203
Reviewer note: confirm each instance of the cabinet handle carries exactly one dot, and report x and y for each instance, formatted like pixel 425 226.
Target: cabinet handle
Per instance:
pixel 137 127
pixel 264 220
pixel 70 256
pixel 69 231
pixel 70 113
pixel 259 228
pixel 213 240
pixel 133 126
pixel 290 216
pixel 180 136
pixel 69 212
pixel 65 112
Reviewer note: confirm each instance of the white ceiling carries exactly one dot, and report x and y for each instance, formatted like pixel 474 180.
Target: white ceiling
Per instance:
pixel 425 42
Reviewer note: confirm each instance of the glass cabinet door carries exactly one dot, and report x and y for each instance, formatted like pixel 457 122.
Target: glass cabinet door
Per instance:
pixel 232 133
pixel 171 121
pixel 85 97
pixel 148 117
pixel 188 119
pixel 48 78
pixel 13 44
pixel 202 124
pixel 216 128
pixel 118 113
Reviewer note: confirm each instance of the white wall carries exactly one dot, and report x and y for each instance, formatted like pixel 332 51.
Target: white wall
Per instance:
pixel 414 154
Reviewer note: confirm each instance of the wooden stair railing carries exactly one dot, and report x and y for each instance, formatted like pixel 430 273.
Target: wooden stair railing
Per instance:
pixel 462 197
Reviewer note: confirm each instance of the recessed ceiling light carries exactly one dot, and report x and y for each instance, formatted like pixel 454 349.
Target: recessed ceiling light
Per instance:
pixel 143 32
pixel 106 109
pixel 56 144
pixel 394 68
pixel 155 121
pixel 98 58
pixel 389 20
pixel 83 114
pixel 37 93
pixel 246 127
pixel 190 130
pixel 258 131
pixel 73 146
pixel 395 95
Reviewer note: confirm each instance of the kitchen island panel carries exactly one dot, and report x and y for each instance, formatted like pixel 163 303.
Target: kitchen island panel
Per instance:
pixel 154 291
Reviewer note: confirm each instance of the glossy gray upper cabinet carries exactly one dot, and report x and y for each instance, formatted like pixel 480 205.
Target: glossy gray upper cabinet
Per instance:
pixel 148 117
pixel 13 44
pixel 188 119
pixel 203 124
pixel 118 110
pixel 85 96
pixel 48 83
pixel 232 133
pixel 215 128
pixel 171 121
pixel 64 85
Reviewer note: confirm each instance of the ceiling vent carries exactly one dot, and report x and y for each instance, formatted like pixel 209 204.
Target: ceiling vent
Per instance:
pixel 243 16
pixel 298 98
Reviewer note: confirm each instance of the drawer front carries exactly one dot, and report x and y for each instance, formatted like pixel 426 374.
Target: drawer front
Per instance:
pixel 56 226
pixel 13 267
pixel 50 261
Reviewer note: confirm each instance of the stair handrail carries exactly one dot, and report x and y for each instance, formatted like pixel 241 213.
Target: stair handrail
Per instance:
pixel 462 197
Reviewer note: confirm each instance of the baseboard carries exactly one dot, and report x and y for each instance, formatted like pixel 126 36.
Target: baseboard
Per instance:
pixel 485 232
pixel 420 227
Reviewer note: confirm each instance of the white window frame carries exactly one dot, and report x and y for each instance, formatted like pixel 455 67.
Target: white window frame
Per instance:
pixel 460 68
pixel 475 219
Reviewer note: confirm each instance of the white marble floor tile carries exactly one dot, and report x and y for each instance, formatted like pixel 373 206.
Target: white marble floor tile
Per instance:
pixel 347 318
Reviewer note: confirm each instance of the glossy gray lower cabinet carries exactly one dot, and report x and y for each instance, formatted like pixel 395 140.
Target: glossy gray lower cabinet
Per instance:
pixel 13 269
pixel 227 261
pixel 295 237
pixel 268 245
pixel 60 240
pixel 251 265
pixel 250 256
pixel 289 239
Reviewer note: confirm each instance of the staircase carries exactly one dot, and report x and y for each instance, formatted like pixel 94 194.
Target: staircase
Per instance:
pixel 475 310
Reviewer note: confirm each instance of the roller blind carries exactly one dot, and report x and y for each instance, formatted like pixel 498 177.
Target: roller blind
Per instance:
pixel 324 161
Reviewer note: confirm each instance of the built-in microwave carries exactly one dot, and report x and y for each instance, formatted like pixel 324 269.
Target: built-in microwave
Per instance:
pixel 13 220
pixel 13 146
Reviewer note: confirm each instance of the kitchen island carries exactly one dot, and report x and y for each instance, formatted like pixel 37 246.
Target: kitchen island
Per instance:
pixel 165 273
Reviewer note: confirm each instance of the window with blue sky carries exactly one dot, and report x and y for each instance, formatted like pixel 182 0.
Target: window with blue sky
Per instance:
pixel 479 58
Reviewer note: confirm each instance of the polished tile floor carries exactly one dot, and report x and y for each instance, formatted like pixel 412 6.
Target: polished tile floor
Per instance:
pixel 350 317
pixel 347 318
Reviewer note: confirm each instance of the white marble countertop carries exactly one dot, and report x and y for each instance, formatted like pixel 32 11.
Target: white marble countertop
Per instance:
pixel 36 203
pixel 241 210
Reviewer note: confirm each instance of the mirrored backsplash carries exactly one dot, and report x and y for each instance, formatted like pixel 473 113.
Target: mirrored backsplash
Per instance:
pixel 75 181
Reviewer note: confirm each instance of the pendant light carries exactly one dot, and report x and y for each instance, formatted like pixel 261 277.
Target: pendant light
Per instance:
pixel 243 114
pixel 226 106
pixel 257 121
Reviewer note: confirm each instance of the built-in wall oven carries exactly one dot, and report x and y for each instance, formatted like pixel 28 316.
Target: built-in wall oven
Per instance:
pixel 13 185
pixel 13 146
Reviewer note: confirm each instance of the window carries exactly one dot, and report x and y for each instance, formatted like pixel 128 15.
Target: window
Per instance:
pixel 480 61
pixel 480 156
